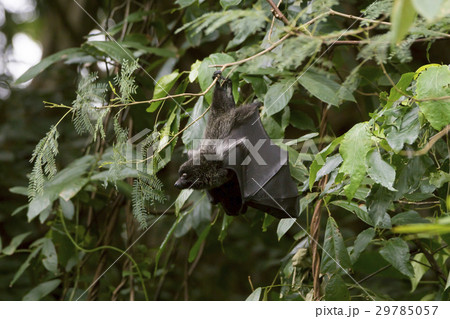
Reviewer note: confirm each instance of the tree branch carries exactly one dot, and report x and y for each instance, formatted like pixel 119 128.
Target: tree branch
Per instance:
pixel 277 13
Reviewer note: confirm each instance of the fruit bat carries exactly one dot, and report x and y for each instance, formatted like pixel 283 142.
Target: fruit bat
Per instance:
pixel 243 168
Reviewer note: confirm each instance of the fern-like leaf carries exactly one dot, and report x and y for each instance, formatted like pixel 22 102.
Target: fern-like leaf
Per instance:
pixel 44 167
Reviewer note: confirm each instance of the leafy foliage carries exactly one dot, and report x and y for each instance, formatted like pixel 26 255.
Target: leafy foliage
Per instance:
pixel 369 150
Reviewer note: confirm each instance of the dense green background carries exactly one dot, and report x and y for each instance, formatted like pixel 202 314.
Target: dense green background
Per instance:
pixel 194 252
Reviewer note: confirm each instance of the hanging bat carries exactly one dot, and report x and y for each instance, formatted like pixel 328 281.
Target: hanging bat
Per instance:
pixel 243 168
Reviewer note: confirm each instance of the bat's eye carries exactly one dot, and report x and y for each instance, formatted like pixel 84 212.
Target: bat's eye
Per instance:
pixel 184 175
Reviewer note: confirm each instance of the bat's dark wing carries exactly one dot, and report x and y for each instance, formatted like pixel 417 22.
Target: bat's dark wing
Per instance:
pixel 261 176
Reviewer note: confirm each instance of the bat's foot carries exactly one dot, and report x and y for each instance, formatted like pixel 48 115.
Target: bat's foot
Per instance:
pixel 218 74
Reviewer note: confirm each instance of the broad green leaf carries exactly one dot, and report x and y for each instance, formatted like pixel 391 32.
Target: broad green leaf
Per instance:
pixel 194 71
pixel 302 121
pixel 148 49
pixel 196 130
pixel 335 258
pixel 45 63
pixel 258 84
pixel 306 200
pixel 402 85
pixel 272 127
pixel 162 88
pixel 255 295
pixel 439 178
pixel 25 265
pixel 396 252
pixel 402 17
pixel 362 241
pixel 295 50
pixel 421 266
pixel 336 289
pixel 68 209
pixel 181 199
pixel 41 290
pixel 330 165
pixel 434 82
pixel 71 188
pixel 378 201
pixel 195 249
pixel 19 190
pixel 205 73
pixel 354 148
pixel 359 210
pixel 50 261
pixel 380 171
pixel 320 160
pixel 409 217
pixel 228 3
pixel 323 88
pixel 283 226
pixel 114 50
pixel 407 132
pixel 185 3
pixel 428 8
pixel 278 96
pixel 15 242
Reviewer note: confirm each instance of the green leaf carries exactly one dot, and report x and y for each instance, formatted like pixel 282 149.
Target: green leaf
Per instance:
pixel 336 289
pixel 283 226
pixel 68 209
pixel 407 133
pixel 354 148
pixel 162 88
pixel 378 201
pixel 302 121
pixel 330 165
pixel 45 63
pixel 114 50
pixel 335 258
pixel 323 88
pixel 277 97
pixel 41 290
pixel 428 8
pixel 228 3
pixel 194 71
pixel 434 82
pixel 181 199
pixel 195 131
pixel 402 85
pixel 24 266
pixel 185 3
pixel 420 268
pixel 396 252
pixel 195 249
pixel 319 160
pixel 380 171
pixel 15 242
pixel 409 217
pixel 359 210
pixel 402 17
pixel 19 190
pixel 255 295
pixel 50 261
pixel 362 241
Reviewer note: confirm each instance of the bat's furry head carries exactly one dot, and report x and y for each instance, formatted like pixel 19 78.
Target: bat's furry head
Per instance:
pixel 200 173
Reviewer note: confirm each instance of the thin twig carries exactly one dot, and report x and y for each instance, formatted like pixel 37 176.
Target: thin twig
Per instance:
pixel 429 145
pixel 277 13
pixel 331 11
